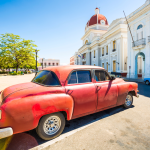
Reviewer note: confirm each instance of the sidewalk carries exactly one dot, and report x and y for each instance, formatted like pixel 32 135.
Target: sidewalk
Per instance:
pixel 134 79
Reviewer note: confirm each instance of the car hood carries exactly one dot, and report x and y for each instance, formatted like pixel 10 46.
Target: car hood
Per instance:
pixel 14 88
pixel 28 89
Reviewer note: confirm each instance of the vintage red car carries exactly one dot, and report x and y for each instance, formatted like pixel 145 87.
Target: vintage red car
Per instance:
pixel 61 93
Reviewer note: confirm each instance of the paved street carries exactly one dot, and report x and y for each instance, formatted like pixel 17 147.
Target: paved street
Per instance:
pixel 116 128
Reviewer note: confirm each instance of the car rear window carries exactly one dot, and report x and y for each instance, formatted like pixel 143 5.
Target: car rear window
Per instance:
pixel 101 75
pixel 82 76
pixel 46 78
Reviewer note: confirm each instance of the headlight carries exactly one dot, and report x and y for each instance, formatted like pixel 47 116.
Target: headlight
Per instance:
pixel 0 114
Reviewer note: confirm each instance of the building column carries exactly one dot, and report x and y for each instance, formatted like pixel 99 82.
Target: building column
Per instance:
pixel 131 58
pixel 147 54
pixel 88 58
pixel 111 62
pixel 118 60
pixel 109 57
pixel 97 56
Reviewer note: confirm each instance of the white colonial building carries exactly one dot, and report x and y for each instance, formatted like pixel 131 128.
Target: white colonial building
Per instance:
pixel 104 45
pixel 139 48
pixel 48 62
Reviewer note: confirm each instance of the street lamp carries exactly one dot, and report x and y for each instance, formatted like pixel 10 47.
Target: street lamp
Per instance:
pixel 36 51
pixel 42 63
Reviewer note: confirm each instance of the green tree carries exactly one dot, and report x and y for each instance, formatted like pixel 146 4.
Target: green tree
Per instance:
pixel 16 52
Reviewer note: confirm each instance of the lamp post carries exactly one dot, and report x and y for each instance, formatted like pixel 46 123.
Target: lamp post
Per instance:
pixel 42 63
pixel 36 51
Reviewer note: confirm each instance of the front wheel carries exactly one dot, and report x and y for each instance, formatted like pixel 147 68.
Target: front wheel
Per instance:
pixel 128 101
pixel 147 82
pixel 51 126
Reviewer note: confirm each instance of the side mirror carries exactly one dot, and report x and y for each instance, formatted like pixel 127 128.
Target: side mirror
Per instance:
pixel 113 78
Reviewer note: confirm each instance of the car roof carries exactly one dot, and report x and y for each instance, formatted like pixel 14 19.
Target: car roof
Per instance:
pixel 63 72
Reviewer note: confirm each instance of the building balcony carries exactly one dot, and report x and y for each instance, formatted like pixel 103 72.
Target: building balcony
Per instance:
pixel 148 38
pixel 140 43
pixel 113 50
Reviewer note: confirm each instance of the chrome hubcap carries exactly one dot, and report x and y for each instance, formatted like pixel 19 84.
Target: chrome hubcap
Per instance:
pixel 52 125
pixel 147 82
pixel 128 100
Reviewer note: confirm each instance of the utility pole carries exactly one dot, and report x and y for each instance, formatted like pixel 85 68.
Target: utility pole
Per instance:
pixel 128 27
pixel 132 40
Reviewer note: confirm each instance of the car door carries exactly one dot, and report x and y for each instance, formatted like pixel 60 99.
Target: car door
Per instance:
pixel 106 90
pixel 82 90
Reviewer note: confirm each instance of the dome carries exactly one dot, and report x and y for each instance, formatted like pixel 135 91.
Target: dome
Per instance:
pixel 97 19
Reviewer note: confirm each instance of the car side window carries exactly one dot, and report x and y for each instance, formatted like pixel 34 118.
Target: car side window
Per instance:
pixel 73 78
pixel 84 76
pixel 101 75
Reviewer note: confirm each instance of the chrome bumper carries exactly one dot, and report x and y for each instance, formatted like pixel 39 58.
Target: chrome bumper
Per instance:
pixel 5 132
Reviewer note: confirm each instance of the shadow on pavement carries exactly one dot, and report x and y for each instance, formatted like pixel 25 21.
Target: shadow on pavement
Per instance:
pixel 29 139
pixel 80 122
pixel 144 89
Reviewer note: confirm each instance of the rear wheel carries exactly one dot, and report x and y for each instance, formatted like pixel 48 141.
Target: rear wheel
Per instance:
pixel 51 126
pixel 147 82
pixel 128 101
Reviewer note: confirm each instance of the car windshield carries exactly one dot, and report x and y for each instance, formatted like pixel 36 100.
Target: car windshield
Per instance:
pixel 46 78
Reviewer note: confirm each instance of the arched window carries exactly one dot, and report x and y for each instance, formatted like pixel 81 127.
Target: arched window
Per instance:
pixel 140 26
pixel 45 64
pixel 56 64
pixel 140 32
pixel 86 41
pixel 53 64
pixel 102 22
pixel 49 64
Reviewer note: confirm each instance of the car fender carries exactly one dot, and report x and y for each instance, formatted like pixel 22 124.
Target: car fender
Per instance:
pixel 124 89
pixel 24 114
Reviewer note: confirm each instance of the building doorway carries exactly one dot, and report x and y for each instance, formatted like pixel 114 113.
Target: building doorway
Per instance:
pixel 114 66
pixel 140 65
pixel 83 63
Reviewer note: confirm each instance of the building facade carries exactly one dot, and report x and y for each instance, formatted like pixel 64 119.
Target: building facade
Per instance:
pixel 139 47
pixel 47 63
pixel 104 45
pixel 72 60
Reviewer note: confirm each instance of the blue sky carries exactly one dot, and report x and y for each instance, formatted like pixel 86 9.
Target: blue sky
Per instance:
pixel 57 26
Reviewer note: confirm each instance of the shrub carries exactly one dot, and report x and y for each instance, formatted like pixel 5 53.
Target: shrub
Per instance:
pixel 3 72
pixel 29 72
pixel 19 72
pixel 14 73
